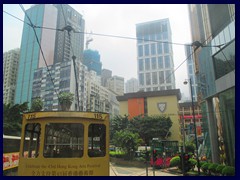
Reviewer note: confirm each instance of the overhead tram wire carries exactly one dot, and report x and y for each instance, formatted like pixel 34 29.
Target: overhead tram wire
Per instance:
pixel 196 43
pixel 69 28
pixel 31 24
pixel 115 36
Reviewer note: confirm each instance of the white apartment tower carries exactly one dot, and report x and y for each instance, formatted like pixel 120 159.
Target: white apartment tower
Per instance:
pixel 10 69
pixel 116 84
pixel 131 85
pixel 155 56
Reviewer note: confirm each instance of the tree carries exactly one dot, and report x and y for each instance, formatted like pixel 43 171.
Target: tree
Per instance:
pixel 118 123
pixel 37 104
pixel 149 127
pixel 128 141
pixel 65 100
pixel 12 118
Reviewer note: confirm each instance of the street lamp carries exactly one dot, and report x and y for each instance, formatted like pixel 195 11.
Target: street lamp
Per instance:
pixel 194 123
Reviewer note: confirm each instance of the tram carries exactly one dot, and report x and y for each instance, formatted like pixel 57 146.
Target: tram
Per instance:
pixel 162 152
pixel 11 146
pixel 64 144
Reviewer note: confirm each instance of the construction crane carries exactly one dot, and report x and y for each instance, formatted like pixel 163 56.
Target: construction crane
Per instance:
pixel 89 39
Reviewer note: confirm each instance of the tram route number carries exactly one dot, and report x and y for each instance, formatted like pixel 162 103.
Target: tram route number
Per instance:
pixel 30 116
pixel 98 116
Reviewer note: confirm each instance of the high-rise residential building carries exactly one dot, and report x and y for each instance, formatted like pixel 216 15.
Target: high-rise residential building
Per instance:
pixel 106 74
pixel 91 59
pixel 99 98
pixel 57 46
pixel 155 56
pixel 131 85
pixel 70 44
pixel 190 71
pixel 62 79
pixel 213 26
pixel 116 84
pixel 10 69
pixel 42 15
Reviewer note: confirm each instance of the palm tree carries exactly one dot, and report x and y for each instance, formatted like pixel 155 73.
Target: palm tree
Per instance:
pixel 65 100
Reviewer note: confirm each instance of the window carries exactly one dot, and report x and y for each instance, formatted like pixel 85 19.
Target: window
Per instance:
pixel 166 48
pixel 167 61
pixel 154 78
pixel 153 49
pixel 146 49
pixel 165 35
pixel 96 140
pixel 31 140
pixel 224 62
pixel 159 48
pixel 161 77
pixel 168 76
pixel 140 51
pixel 147 64
pixel 141 79
pixel 141 68
pixel 148 79
pixel 154 63
pixel 160 62
pixel 64 140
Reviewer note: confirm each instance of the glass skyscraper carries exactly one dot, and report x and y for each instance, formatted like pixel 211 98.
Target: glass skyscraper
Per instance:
pixel 30 55
pixel 57 46
pixel 155 56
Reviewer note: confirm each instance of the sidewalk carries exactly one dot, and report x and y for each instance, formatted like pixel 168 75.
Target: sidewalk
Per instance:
pixel 114 171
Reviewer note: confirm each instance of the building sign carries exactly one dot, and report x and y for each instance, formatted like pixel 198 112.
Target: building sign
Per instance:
pixel 162 106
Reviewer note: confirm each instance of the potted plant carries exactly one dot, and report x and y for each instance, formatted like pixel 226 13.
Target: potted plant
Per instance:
pixel 65 100
pixel 37 104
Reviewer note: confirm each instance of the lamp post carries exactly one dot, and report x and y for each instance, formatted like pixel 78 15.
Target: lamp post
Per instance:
pixel 194 123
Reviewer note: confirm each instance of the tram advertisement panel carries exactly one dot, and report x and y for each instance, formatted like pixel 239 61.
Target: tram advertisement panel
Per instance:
pixel 61 169
pixel 10 160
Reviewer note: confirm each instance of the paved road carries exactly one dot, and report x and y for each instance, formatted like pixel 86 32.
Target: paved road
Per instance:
pixel 117 170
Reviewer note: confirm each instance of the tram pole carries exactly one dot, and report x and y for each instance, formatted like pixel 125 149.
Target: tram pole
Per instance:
pixel 153 160
pixel 146 158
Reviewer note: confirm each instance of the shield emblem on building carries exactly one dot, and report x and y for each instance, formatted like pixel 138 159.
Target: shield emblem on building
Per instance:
pixel 162 106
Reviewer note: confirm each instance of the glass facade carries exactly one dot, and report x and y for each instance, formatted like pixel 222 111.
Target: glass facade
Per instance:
pixel 224 61
pixel 216 67
pixel 29 55
pixel 154 57
pixel 227 107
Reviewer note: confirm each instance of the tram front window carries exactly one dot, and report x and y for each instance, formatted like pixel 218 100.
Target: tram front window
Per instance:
pixel 31 140
pixel 96 140
pixel 63 140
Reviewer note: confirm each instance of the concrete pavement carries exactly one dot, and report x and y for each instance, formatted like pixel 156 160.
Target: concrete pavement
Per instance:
pixel 134 171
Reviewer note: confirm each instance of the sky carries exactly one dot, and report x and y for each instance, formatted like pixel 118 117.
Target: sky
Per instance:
pixel 118 55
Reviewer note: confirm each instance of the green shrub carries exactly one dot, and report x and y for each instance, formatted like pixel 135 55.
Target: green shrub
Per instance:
pixel 201 163
pixel 213 167
pixel 228 171
pixel 204 167
pixel 117 154
pixel 193 161
pixel 220 168
pixel 175 161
